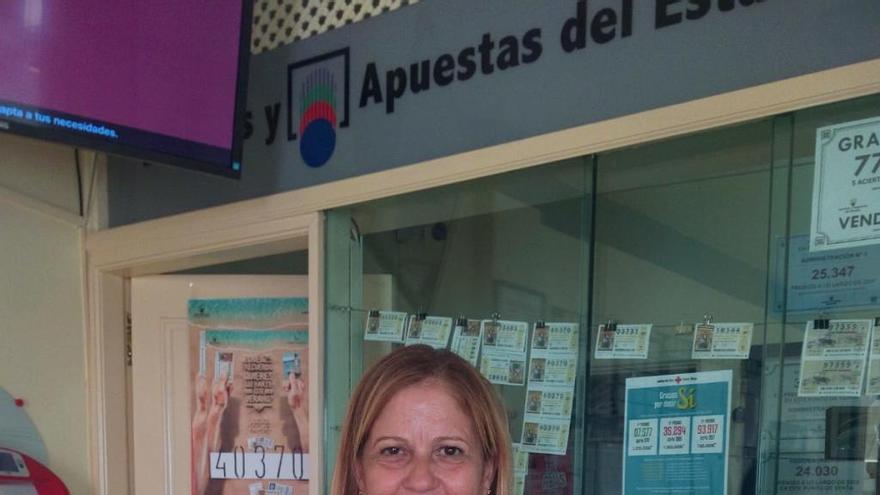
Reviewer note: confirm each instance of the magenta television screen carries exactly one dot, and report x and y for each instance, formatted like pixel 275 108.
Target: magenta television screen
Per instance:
pixel 159 80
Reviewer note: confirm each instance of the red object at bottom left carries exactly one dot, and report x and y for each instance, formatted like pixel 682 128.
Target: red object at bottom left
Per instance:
pixel 21 474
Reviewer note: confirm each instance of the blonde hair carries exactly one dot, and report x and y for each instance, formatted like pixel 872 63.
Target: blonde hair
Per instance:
pixel 408 366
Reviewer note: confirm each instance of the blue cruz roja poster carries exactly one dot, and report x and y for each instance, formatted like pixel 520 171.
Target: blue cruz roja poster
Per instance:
pixel 676 434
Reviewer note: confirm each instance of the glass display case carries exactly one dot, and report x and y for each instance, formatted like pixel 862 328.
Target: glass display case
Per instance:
pixel 684 270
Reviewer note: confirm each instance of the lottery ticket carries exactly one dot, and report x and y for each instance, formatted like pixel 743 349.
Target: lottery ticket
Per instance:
pixel 562 337
pixel 831 377
pixel 722 340
pixel 548 402
pixel 466 339
pixel 545 437
pixel 430 330
pixel 504 335
pixel 842 339
pixel 623 341
pixel 504 368
pixel 387 326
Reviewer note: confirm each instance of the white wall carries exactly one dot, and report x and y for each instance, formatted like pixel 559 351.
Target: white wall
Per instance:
pixel 42 346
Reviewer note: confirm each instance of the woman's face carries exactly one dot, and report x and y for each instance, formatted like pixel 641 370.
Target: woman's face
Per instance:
pixel 422 442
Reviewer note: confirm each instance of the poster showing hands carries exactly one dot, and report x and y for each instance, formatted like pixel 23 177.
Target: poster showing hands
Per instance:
pixel 249 414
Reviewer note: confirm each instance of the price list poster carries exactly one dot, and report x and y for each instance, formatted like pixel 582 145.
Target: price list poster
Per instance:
pixel 676 434
pixel 249 410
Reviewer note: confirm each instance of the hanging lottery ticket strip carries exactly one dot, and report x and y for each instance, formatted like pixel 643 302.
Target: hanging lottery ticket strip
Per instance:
pixel 550 389
pixel 833 357
pixel 504 351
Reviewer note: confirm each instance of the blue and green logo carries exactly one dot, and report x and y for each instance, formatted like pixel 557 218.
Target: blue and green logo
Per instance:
pixel 318 90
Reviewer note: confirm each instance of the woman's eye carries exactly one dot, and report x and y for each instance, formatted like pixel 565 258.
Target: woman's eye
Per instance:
pixel 391 451
pixel 451 451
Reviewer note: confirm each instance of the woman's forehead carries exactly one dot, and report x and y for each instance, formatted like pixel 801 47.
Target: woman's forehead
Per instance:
pixel 429 406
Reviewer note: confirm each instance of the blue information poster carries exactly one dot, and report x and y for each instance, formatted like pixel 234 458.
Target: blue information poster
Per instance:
pixel 821 281
pixel 676 434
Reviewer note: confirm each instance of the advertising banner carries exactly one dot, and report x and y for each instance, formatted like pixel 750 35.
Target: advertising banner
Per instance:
pixel 676 434
pixel 249 412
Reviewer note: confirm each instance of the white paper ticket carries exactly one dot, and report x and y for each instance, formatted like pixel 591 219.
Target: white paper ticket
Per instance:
pixel 722 340
pixel 562 337
pixel 504 335
pixel 466 339
pixel 503 358
pixel 842 339
pixel 386 326
pixel 831 377
pixel 552 369
pixel 544 402
pixel 504 368
pixel 545 437
pixel 430 330
pixel 623 341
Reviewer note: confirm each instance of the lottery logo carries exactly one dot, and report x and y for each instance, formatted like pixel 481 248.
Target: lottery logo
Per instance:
pixel 318 90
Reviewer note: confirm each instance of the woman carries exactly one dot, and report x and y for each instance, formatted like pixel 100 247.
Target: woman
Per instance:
pixel 424 421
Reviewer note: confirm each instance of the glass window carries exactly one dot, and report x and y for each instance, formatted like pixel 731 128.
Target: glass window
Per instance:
pixel 513 247
pixel 678 260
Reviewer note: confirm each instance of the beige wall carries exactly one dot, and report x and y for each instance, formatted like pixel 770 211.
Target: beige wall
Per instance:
pixel 42 358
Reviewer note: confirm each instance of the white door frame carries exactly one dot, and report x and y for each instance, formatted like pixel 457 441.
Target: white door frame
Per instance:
pixel 216 235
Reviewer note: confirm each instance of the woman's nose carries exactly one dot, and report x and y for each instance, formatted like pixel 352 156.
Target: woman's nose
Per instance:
pixel 420 477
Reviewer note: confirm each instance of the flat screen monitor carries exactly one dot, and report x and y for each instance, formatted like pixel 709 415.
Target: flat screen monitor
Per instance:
pixel 157 80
